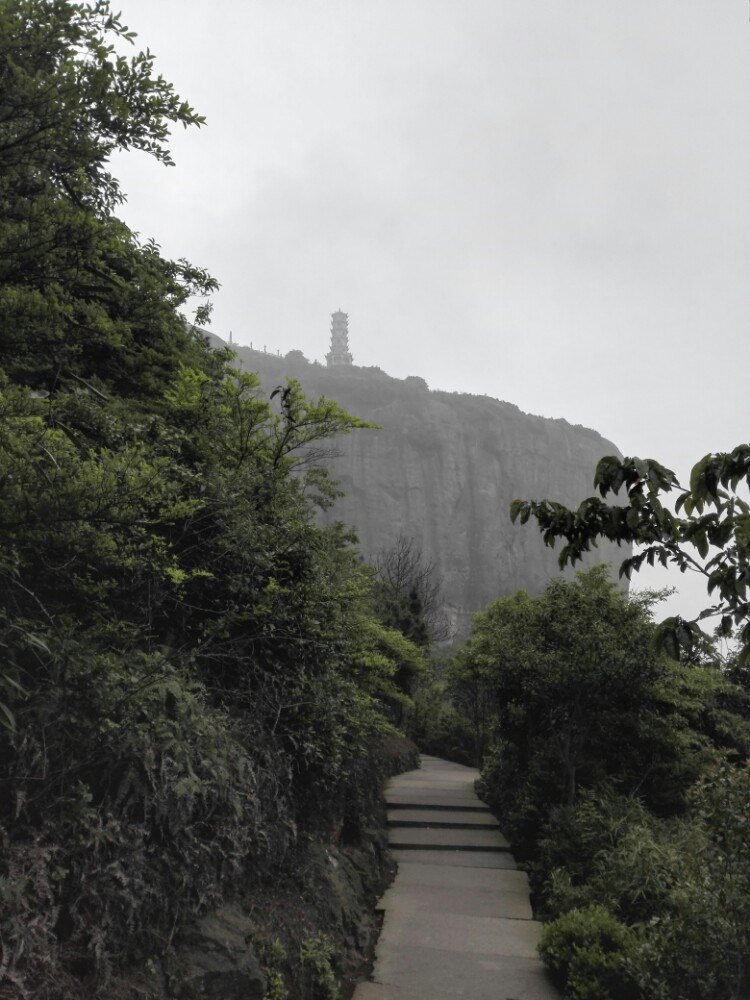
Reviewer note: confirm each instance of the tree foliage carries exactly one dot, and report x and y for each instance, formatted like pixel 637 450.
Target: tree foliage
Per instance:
pixel 708 532
pixel 620 776
pixel 575 696
pixel 82 300
pixel 186 681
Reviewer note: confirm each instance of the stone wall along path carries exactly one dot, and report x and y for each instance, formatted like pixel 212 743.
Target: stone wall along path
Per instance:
pixel 457 920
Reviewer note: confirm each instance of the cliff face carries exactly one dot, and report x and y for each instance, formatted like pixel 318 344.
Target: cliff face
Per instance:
pixel 443 471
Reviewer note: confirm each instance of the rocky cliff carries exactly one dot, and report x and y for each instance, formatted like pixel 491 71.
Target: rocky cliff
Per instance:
pixel 443 470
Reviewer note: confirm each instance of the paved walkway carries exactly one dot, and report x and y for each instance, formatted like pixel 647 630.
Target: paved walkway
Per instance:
pixel 457 921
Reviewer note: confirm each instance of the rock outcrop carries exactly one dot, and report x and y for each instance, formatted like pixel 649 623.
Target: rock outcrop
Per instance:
pixel 443 470
pixel 216 960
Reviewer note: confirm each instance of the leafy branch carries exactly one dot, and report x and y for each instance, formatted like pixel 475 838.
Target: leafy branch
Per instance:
pixel 707 532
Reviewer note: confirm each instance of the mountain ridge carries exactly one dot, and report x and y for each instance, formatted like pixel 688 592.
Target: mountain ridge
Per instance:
pixel 442 471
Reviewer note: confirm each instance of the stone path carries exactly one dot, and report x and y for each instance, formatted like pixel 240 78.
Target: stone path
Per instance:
pixel 457 920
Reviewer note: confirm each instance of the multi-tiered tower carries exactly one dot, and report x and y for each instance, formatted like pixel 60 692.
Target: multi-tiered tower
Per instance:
pixel 339 352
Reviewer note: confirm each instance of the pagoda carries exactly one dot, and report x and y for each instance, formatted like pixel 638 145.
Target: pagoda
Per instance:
pixel 339 353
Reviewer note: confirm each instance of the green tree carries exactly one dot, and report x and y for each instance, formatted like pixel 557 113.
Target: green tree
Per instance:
pixel 578 698
pixel 185 683
pixel 678 883
pixel 708 533
pixel 381 658
pixel 470 689
pixel 82 301
pixel 619 775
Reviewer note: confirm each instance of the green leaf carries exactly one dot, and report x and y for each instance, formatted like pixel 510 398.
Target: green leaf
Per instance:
pixel 515 509
pixel 7 719
pixel 34 640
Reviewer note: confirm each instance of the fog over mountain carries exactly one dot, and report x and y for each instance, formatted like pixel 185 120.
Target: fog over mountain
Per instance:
pixel 441 470
pixel 545 202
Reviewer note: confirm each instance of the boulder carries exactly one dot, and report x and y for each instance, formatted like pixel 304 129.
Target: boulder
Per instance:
pixel 216 960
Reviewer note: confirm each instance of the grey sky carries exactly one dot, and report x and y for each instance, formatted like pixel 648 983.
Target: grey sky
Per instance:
pixel 544 201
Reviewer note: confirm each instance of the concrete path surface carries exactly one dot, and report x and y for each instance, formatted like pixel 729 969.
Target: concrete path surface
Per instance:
pixel 457 920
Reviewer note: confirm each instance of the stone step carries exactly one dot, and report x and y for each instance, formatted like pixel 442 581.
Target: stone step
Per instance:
pixel 432 800
pixel 469 900
pixel 411 873
pixel 416 824
pixel 394 845
pixel 450 857
pixel 465 840
pixel 457 920
pixel 469 806
pixel 433 778
pixel 475 935
pixel 415 973
pixel 440 957
pixel 441 788
pixel 457 818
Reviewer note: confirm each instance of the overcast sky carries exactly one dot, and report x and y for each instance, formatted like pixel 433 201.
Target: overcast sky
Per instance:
pixel 547 201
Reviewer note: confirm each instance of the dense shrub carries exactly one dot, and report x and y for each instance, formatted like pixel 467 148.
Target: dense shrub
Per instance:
pixel 609 850
pixel 318 957
pixel 434 723
pixel 186 683
pixel 618 775
pixel 681 885
pixel 588 951
pixel 578 699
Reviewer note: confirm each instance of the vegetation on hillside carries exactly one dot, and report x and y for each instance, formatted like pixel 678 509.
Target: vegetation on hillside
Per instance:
pixel 620 776
pixel 194 676
pixel 651 897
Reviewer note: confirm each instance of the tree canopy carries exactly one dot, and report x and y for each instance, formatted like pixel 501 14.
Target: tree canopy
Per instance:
pixel 576 694
pixel 82 300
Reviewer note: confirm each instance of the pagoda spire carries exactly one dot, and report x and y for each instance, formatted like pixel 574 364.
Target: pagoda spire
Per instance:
pixel 339 353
